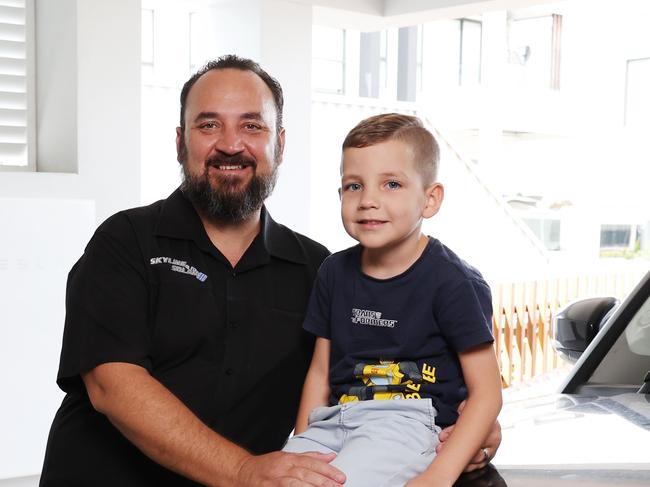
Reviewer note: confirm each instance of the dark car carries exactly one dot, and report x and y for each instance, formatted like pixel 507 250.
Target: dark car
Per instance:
pixel 596 430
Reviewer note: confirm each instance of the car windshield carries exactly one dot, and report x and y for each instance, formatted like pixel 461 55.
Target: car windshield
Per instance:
pixel 628 360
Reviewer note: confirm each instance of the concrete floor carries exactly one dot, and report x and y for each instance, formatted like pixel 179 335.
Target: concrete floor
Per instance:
pixel 20 482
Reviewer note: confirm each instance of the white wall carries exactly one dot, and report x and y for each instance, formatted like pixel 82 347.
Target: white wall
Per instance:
pixel 89 122
pixel 275 33
pixel 47 237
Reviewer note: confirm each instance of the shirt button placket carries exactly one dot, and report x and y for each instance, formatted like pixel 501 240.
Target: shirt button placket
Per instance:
pixel 229 370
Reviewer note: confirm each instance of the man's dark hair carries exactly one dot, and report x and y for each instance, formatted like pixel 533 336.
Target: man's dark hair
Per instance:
pixel 232 61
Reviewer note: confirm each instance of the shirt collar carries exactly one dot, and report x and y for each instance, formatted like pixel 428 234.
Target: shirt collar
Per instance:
pixel 178 219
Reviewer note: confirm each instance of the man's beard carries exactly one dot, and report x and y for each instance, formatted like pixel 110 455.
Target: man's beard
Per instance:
pixel 226 203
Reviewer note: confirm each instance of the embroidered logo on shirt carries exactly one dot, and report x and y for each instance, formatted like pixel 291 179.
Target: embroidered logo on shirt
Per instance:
pixel 372 318
pixel 179 266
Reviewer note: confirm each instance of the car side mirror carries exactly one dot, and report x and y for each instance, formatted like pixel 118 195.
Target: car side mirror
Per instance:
pixel 575 325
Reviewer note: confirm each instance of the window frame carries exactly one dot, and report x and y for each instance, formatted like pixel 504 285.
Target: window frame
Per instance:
pixel 462 22
pixel 151 57
pixel 627 121
pixel 342 61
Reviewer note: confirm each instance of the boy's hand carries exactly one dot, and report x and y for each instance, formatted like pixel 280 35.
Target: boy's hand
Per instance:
pixel 487 451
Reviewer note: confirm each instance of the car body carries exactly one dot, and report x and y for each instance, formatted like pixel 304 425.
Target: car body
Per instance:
pixel 596 430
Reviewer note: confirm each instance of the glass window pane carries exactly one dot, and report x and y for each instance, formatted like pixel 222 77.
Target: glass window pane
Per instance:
pixel 530 51
pixel 470 55
pixel 327 76
pixel 147 36
pixel 637 100
pixel 615 235
pixel 328 43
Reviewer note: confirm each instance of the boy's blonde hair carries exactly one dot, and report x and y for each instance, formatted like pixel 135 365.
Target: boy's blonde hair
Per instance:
pixel 405 128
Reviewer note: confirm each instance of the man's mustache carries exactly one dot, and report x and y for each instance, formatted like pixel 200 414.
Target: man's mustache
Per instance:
pixel 226 160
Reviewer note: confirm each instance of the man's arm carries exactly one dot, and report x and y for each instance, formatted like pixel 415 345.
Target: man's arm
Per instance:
pixel 165 430
pixel 316 390
pixel 481 375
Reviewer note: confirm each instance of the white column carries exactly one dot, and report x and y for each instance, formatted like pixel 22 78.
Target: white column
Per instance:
pixel 108 102
pixel 286 54
pixel 277 34
pixel 493 64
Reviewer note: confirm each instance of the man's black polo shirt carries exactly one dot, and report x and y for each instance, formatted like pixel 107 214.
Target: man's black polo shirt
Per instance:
pixel 152 290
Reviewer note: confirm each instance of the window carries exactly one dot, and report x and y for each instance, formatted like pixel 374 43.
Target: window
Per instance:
pixel 547 230
pixel 328 59
pixel 469 65
pixel 617 236
pixel 534 51
pixel 383 60
pixel 147 36
pixel 17 131
pixel 637 95
pixel 419 56
pixel 197 56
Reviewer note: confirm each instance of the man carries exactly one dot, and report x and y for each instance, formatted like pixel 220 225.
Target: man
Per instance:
pixel 183 349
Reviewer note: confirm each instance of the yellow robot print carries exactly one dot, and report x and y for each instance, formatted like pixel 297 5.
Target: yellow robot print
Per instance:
pixel 386 380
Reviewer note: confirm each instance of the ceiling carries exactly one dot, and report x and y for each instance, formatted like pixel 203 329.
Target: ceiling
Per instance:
pixel 377 14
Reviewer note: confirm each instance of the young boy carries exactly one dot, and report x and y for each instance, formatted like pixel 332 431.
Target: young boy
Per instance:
pixel 403 325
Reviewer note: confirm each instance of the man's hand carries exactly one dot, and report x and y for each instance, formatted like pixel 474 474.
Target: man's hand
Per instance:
pixel 290 469
pixel 487 451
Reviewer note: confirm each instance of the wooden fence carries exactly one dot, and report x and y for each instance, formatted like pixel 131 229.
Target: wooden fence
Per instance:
pixel 523 312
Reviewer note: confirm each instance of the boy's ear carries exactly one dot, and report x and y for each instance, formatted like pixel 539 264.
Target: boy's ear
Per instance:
pixel 435 194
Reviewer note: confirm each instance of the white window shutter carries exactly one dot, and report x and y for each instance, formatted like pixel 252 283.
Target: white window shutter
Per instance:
pixel 14 85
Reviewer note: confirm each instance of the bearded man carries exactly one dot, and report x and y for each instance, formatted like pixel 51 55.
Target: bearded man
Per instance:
pixel 183 353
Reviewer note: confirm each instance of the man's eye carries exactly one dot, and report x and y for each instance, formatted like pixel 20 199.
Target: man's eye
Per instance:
pixel 208 125
pixel 393 185
pixel 252 126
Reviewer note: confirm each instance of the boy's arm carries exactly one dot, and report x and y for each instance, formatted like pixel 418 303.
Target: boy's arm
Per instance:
pixel 316 390
pixel 481 374
pixel 489 447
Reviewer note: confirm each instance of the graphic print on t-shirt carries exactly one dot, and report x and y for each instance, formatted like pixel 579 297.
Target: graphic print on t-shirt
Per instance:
pixel 388 380
pixel 371 318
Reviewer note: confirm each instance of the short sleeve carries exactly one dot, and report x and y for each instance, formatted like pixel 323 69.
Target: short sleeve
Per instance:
pixel 317 318
pixel 106 305
pixel 464 314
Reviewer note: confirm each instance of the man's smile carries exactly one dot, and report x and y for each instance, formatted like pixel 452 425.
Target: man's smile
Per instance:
pixel 230 168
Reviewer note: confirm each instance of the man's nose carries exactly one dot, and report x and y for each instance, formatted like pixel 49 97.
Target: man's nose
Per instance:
pixel 229 141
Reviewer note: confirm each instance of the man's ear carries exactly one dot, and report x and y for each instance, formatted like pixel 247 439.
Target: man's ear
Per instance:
pixel 180 145
pixel 435 194
pixel 280 148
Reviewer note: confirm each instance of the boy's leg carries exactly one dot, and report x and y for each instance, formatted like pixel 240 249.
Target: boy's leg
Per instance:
pixel 323 434
pixel 387 443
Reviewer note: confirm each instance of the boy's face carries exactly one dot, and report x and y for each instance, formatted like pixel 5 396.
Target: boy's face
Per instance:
pixel 383 195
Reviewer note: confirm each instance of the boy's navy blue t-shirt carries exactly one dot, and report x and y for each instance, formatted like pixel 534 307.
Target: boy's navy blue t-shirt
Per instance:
pixel 398 338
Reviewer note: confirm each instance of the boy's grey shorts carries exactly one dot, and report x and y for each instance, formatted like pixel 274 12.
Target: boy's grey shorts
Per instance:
pixel 378 443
